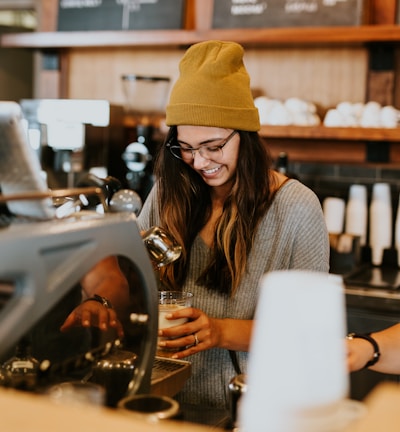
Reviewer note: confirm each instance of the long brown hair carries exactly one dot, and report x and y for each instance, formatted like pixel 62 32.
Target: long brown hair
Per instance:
pixel 185 206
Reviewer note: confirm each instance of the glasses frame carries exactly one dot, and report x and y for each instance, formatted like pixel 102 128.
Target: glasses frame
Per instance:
pixel 193 150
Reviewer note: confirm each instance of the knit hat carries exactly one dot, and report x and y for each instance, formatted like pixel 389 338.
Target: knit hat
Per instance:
pixel 213 89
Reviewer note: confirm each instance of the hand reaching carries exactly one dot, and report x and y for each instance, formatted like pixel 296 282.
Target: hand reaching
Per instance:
pixel 93 314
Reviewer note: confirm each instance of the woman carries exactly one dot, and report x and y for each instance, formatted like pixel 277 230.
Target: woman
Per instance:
pixel 234 217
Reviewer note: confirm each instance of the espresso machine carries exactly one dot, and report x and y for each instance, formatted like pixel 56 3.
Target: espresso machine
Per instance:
pixel 145 98
pixel 42 261
pixel 49 243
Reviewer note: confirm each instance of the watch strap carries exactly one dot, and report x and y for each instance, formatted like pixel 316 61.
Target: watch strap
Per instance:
pixel 103 300
pixel 373 342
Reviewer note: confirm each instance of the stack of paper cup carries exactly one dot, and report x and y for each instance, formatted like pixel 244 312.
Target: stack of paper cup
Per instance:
pixel 297 363
pixel 380 225
pixel 334 209
pixel 357 213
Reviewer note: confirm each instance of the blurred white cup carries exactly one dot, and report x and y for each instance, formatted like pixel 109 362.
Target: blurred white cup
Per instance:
pixel 380 221
pixel 297 358
pixel 334 210
pixel 333 118
pixel 389 116
pixel 77 393
pixel 356 217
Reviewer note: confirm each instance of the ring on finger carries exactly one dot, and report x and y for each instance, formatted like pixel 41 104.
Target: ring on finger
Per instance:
pixel 196 339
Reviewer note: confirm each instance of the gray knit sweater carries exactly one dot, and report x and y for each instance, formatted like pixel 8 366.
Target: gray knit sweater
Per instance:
pixel 292 235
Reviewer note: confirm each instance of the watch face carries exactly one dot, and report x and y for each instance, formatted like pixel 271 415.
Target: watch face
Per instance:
pixel 105 302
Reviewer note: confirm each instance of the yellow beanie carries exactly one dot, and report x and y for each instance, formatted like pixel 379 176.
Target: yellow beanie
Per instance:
pixel 213 89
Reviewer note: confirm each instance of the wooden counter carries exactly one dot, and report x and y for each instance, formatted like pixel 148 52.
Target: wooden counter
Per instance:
pixel 383 411
pixel 33 413
pixel 28 412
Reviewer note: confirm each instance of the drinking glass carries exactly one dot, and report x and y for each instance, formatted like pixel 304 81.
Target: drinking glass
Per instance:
pixel 168 302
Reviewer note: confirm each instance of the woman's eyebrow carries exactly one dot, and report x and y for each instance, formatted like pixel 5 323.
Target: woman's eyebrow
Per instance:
pixel 201 142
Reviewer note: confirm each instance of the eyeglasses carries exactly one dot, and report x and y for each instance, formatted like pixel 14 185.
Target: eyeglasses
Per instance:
pixel 207 152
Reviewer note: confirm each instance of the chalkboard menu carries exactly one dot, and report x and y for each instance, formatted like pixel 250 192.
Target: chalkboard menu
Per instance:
pixel 288 13
pixel 78 15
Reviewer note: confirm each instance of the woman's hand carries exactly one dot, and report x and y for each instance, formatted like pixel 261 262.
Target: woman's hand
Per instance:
pixel 202 332
pixel 359 351
pixel 93 314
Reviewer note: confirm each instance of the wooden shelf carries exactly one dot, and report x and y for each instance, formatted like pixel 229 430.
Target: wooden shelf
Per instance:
pixel 321 144
pixel 331 133
pixel 253 37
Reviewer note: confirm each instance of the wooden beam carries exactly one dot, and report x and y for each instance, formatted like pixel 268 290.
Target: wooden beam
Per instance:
pixel 17 4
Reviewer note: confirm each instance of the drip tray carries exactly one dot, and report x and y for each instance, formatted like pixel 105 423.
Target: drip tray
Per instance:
pixel 169 376
pixel 387 278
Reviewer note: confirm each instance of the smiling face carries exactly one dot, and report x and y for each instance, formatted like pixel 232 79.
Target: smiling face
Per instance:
pixel 216 166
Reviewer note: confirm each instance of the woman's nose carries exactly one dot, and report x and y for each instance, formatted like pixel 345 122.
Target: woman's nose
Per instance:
pixel 198 160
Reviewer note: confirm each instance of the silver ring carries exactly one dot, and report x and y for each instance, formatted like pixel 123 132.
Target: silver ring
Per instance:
pixel 196 339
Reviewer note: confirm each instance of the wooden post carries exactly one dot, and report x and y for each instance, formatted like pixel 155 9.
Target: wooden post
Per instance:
pixel 383 11
pixel 381 85
pixel 203 14
pixel 47 83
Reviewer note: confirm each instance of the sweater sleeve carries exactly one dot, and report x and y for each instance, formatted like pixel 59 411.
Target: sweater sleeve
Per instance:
pixel 148 216
pixel 310 247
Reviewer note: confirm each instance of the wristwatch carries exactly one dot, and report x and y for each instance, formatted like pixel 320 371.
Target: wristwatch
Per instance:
pixel 373 342
pixel 103 300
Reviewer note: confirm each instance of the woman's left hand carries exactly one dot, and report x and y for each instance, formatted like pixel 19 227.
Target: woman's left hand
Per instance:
pixel 200 333
pixel 93 314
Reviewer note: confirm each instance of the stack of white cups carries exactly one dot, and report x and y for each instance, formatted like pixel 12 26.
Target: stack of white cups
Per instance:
pixel 356 218
pixel 380 221
pixel 334 210
pixel 297 377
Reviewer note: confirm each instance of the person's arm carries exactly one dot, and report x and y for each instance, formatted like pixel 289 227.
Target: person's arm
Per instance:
pixel 202 332
pixel 106 297
pixel 234 334
pixel 360 351
pixel 308 245
pixel 107 280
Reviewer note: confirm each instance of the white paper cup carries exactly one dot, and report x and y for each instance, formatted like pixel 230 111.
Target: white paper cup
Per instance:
pixel 334 210
pixel 356 220
pixel 297 357
pixel 380 222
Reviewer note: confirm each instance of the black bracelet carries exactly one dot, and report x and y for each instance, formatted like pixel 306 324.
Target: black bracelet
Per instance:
pixel 104 301
pixel 373 342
